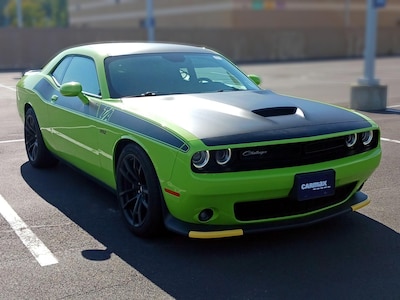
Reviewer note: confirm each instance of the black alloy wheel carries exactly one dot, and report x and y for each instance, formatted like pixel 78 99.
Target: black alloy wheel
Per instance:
pixel 38 154
pixel 138 192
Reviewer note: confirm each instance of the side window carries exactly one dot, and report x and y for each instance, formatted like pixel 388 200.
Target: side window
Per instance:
pixel 59 72
pixel 80 69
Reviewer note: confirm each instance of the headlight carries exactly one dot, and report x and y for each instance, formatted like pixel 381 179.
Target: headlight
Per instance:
pixel 200 159
pixel 351 140
pixel 367 137
pixel 222 157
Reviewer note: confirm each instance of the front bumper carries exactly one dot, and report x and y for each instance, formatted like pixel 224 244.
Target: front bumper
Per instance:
pixel 204 231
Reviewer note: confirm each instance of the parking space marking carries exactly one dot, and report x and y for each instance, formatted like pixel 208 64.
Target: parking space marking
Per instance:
pixel 390 140
pixel 12 141
pixel 7 87
pixel 38 249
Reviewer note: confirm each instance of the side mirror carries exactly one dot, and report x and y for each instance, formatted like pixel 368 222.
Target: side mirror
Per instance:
pixel 255 78
pixel 73 89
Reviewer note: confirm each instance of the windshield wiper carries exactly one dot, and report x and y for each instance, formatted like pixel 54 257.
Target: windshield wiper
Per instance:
pixel 148 94
pixel 143 95
pixel 230 89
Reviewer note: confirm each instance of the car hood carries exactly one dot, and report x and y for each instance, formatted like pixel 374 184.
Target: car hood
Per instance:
pixel 245 116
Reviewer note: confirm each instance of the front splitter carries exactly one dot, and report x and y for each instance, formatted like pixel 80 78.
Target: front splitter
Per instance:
pixel 205 231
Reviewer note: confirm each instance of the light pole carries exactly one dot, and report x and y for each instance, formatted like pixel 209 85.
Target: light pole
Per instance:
pixel 347 13
pixel 20 20
pixel 150 22
pixel 368 94
pixel 370 45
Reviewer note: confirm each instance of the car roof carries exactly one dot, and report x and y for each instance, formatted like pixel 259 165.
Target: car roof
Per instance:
pixel 126 48
pixel 100 51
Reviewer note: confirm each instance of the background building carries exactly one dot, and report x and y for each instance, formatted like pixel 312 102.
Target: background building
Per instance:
pixel 230 14
pixel 243 30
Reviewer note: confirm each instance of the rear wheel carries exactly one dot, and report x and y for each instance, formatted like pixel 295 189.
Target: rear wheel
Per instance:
pixel 39 156
pixel 138 192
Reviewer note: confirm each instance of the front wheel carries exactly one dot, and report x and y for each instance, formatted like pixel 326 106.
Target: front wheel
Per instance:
pixel 138 192
pixel 38 154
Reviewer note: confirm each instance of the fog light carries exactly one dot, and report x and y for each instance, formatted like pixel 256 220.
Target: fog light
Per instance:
pixel 206 214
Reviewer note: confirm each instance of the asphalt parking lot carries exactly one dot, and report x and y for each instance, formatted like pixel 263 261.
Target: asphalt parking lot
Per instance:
pixel 82 250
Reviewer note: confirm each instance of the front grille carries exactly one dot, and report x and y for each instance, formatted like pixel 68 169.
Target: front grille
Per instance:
pixel 288 155
pixel 275 208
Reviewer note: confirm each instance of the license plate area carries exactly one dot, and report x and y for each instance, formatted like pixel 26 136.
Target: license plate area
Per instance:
pixel 314 185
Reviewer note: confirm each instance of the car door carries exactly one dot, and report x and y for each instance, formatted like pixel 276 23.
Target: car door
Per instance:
pixel 72 122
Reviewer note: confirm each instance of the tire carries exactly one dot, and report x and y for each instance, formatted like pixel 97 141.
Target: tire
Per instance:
pixel 138 192
pixel 38 154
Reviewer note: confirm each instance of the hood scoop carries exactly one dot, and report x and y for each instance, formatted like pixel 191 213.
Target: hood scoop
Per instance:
pixel 275 111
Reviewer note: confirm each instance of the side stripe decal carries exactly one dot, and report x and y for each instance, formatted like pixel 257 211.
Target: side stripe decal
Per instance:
pixel 105 113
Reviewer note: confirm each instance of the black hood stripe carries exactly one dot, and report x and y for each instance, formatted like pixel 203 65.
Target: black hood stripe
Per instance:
pixel 267 116
pixel 283 134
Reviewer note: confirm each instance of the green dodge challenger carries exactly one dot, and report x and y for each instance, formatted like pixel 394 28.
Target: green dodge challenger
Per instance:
pixel 190 143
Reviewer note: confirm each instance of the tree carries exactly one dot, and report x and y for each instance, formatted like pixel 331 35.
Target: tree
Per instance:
pixel 3 19
pixel 39 13
pixel 56 11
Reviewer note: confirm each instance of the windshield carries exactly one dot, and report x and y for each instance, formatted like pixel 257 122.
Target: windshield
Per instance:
pixel 173 73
